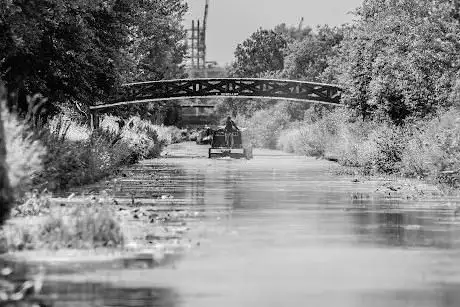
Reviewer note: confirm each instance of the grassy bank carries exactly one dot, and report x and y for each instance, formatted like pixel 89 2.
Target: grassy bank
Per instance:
pixel 423 149
pixel 64 153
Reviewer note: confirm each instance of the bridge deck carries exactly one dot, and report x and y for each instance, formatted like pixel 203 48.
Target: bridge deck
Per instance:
pixel 140 92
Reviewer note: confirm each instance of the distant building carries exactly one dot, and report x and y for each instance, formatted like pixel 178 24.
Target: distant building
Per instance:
pixel 197 112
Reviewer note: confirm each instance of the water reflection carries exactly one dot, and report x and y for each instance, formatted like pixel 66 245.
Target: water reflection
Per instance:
pixel 417 228
pixel 437 296
pixel 61 294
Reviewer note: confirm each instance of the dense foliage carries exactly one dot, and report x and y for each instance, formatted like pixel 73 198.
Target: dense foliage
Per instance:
pixel 307 59
pixel 261 52
pixel 286 52
pixel 400 59
pixel 79 51
pixel 399 66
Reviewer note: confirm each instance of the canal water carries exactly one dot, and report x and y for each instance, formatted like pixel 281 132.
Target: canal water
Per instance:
pixel 287 233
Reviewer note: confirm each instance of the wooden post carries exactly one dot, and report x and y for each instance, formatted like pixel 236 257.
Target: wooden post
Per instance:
pixel 6 194
pixel 94 119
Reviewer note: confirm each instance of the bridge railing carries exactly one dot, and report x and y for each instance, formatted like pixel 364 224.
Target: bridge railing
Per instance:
pixel 164 90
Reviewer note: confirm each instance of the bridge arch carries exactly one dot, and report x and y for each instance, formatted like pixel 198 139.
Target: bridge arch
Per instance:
pixel 141 92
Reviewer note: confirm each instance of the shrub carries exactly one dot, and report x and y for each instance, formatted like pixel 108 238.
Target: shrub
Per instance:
pixel 369 145
pixel 18 237
pixel 169 134
pixel 24 153
pixel 164 134
pixel 355 148
pixel 70 163
pixel 37 203
pixel 389 143
pixel 69 127
pixel 77 162
pixel 73 156
pixel 434 150
pixel 314 139
pixel 265 126
pixel 82 228
pixel 290 140
pixel 321 137
pixel 316 136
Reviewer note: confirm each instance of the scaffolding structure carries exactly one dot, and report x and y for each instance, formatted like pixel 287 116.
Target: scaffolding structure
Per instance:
pixel 196 45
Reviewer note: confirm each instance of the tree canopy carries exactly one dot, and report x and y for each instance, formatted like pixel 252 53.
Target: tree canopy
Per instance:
pixel 400 59
pixel 80 51
pixel 307 59
pixel 261 52
pixel 286 52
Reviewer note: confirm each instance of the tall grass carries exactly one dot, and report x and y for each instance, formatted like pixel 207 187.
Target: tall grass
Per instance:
pixel 427 149
pixel 75 162
pixel 78 228
pixel 64 153
pixel 24 152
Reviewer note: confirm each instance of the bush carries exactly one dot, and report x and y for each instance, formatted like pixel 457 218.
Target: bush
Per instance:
pixel 265 126
pixel 17 237
pixel 169 134
pixel 434 150
pixel 164 134
pixel 71 163
pixel 80 228
pixel 68 125
pixel 317 136
pixel 37 203
pixel 77 162
pixel 24 153
pixel 425 149
pixel 290 141
pixel 369 145
pixel 322 136
pixel 388 143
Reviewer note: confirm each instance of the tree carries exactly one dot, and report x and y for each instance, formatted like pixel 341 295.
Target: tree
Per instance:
pixel 156 42
pixel 307 59
pixel 64 50
pixel 292 34
pixel 263 51
pixel 400 60
pixel 80 51
pixel 155 51
pixel 261 55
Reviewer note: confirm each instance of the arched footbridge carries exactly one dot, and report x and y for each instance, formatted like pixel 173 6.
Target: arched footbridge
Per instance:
pixel 150 91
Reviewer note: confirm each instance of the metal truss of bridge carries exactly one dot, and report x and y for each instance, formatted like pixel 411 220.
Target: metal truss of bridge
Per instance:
pixel 223 87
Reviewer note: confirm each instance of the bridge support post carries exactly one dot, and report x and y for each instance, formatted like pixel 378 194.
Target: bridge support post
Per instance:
pixel 94 119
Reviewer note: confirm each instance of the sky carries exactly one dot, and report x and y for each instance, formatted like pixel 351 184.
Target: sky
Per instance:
pixel 232 21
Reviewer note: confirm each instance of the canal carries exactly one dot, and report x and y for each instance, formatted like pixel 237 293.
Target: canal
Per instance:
pixel 281 230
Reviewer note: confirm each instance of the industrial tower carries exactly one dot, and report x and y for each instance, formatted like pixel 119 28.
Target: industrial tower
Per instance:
pixel 196 43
